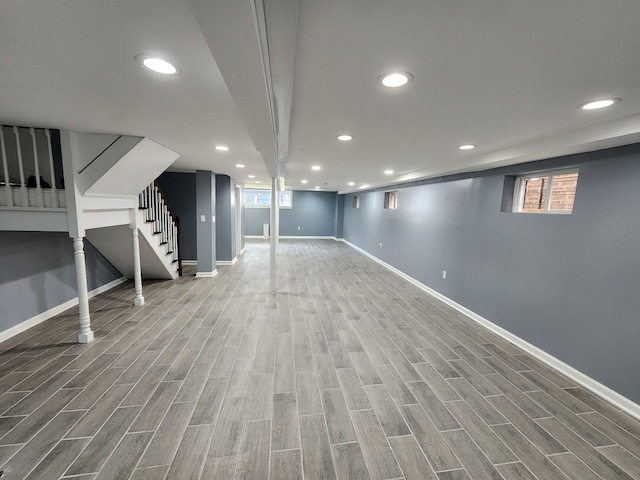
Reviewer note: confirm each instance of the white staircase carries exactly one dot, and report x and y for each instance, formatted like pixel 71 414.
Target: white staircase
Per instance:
pixel 158 237
pixel 108 195
pixel 92 186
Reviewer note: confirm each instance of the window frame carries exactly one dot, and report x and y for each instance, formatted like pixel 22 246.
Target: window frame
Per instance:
pixel 356 201
pixel 519 190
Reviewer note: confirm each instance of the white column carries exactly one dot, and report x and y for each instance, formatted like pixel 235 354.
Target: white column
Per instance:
pixel 86 334
pixel 137 271
pixel 274 230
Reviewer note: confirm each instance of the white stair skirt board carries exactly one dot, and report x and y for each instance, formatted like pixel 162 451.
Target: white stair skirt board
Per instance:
pixel 227 262
pixel 206 274
pixel 577 376
pixel 52 312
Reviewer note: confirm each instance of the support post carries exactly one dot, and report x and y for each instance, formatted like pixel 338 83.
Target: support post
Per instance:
pixel 86 334
pixel 137 270
pixel 273 242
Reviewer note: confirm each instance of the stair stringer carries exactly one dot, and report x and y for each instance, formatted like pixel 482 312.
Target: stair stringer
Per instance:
pixel 116 245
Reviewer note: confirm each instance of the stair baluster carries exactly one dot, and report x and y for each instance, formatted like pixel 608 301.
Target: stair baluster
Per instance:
pixel 23 184
pixel 157 212
pixel 7 188
pixel 54 189
pixel 36 168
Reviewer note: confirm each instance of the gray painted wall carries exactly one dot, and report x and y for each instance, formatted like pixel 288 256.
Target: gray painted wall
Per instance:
pixel 206 228
pixel 225 218
pixel 38 273
pixel 314 212
pixel 566 283
pixel 180 193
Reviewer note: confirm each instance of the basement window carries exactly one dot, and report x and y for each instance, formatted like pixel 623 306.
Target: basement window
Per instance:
pixel 356 201
pixel 259 198
pixel 391 200
pixel 545 192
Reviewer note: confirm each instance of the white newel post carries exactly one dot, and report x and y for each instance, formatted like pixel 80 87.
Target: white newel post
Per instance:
pixel 86 334
pixel 137 272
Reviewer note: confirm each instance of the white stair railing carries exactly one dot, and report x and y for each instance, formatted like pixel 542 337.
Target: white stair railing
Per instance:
pixel 29 174
pixel 164 223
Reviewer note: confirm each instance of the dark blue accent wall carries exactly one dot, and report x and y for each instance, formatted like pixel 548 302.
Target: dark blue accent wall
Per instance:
pixel 38 273
pixel 314 212
pixel 180 194
pixel 566 283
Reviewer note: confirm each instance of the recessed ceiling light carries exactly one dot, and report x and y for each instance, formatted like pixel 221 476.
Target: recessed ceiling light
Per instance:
pixel 303 181
pixel 222 148
pixel 344 138
pixel 596 104
pixel 395 79
pixel 363 186
pixel 239 165
pixel 251 176
pixel 316 167
pixel 258 181
pixel 351 184
pixel 157 65
pixel 317 187
pixel 468 146
pixel 388 172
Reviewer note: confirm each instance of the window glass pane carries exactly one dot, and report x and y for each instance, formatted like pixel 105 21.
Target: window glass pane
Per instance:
pixel 546 192
pixel 285 199
pixel 535 191
pixel 563 192
pixel 257 198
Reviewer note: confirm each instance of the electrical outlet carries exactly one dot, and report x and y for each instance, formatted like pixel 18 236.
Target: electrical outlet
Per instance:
pixel 444 274
pixel 298 228
pixel 380 244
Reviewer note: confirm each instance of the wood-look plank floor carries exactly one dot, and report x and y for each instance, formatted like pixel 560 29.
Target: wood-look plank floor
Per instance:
pixel 349 373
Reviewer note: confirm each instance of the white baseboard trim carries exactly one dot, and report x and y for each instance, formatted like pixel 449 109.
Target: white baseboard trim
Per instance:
pixel 227 262
pixel 52 312
pixel 206 274
pixel 244 249
pixel 296 237
pixel 189 262
pixel 577 376
pixel 307 237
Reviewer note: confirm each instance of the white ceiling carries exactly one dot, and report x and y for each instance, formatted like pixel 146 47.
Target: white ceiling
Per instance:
pixel 506 75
